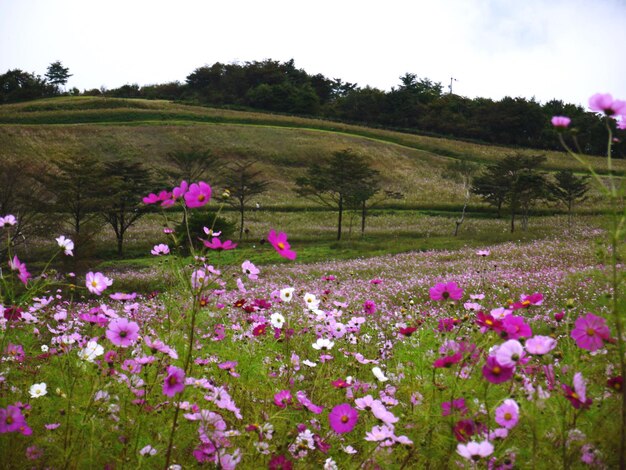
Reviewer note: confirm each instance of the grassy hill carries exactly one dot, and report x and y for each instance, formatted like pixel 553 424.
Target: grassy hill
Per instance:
pixel 148 130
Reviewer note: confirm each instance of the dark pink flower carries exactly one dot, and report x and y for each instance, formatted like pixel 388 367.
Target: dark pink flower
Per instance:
pixel 280 244
pixel 12 420
pixel 199 194
pixel 604 103
pixel 578 395
pixel 496 373
pixel 217 244
pixel 448 360
pixel 590 332
pixel 515 327
pixel 370 307
pixel 280 462
pixel 448 291
pixel 122 332
pixel 174 382
pixel 343 418
pixel 449 407
pixel 22 273
pixel 283 398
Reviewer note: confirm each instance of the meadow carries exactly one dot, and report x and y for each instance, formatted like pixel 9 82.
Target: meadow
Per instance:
pixel 403 348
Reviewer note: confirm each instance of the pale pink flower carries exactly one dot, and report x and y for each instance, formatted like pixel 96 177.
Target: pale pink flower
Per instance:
pixel 97 282
pixel 66 244
pixel 250 270
pixel 160 249
pixel 561 122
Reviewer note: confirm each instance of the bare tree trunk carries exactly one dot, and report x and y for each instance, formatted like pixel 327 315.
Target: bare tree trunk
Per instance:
pixel 460 221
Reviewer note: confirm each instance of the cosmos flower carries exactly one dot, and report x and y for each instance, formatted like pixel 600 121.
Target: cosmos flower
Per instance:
pixel 560 122
pixel 507 414
pixel 283 398
pixel 540 345
pixel 577 396
pixel 198 195
pixel 604 103
pixel 510 353
pixel 448 291
pixel 280 244
pixel 66 244
pixel 286 294
pixel 122 333
pixel 7 220
pixel 174 382
pixel 90 352
pixel 97 282
pixel 250 270
pixel 343 418
pixel 495 372
pixel 160 249
pixel 38 390
pixel 590 332
pixel 475 451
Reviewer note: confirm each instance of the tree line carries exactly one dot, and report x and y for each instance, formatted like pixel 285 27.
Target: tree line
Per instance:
pixel 415 104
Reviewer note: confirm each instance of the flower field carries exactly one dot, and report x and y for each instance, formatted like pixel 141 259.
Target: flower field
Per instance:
pixel 498 358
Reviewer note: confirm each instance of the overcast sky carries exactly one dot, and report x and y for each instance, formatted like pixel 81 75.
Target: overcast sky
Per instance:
pixel 564 49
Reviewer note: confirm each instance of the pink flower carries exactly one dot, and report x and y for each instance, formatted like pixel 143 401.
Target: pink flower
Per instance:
pixel 483 253
pixel 174 382
pixel 515 327
pixel 495 372
pixel 280 244
pixel 452 406
pixel 12 420
pixel 198 195
pixel 474 451
pixel 250 270
pixel 308 404
pixel 560 122
pixel 446 291
pixel 283 398
pixel 604 103
pixel 343 418
pixel 7 220
pixel 540 345
pixel 507 414
pixel 22 273
pixel 216 244
pixel 160 249
pixel 370 307
pixel 510 353
pixel 66 244
pixel 622 124
pixel 97 283
pixel 122 333
pixel 590 332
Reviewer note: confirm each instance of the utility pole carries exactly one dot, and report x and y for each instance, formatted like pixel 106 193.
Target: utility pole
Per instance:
pixel 452 79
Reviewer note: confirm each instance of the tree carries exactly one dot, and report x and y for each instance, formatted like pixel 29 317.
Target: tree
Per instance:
pixel 342 178
pixel 191 165
pixel 461 171
pixel 17 85
pixel 569 189
pixel 243 182
pixel 128 183
pixel 57 75
pixel 514 180
pixel 79 187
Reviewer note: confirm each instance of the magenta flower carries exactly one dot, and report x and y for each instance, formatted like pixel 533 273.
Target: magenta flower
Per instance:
pixel 97 282
pixel 198 195
pixel 12 420
pixel 449 291
pixel 515 327
pixel 604 103
pixel 280 244
pixel 174 382
pixel 578 395
pixel 495 372
pixel 216 244
pixel 154 198
pixel 560 122
pixel 540 345
pixel 343 418
pixel 308 404
pixel 507 414
pixel 370 307
pixel 122 333
pixel 448 407
pixel 283 398
pixel 590 332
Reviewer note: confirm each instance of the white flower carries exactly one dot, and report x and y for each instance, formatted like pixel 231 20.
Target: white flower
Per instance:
pixel 323 344
pixel 277 320
pixel 286 294
pixel 44 347
pixel 379 374
pixel 91 351
pixel 311 301
pixel 330 464
pixel 66 244
pixel 38 390
pixel 306 362
pixel 149 450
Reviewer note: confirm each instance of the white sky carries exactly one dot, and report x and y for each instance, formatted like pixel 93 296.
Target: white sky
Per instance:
pixel 564 49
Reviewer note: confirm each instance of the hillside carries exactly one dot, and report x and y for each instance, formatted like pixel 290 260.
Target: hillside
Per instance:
pixel 148 130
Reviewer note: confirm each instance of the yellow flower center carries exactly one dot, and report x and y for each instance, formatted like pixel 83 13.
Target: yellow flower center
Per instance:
pixel 590 332
pixel 507 416
pixel 281 245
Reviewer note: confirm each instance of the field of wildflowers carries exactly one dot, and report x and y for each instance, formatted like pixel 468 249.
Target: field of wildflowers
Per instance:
pixel 507 356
